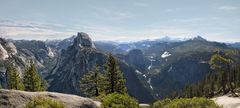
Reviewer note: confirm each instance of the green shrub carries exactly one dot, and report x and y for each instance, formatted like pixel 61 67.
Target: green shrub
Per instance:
pixel 42 102
pixel 116 100
pixel 161 103
pixel 100 97
pixel 186 103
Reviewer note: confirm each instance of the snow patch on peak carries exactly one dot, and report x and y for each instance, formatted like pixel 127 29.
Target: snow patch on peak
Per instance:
pixel 138 72
pixel 149 82
pixel 151 87
pixel 149 67
pixel 170 69
pixel 166 54
pixel 144 76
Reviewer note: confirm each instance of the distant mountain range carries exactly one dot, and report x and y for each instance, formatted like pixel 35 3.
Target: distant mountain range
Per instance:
pixel 152 68
pixel 235 45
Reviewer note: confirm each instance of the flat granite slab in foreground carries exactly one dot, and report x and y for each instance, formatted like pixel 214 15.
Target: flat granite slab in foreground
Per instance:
pixel 227 102
pixel 18 99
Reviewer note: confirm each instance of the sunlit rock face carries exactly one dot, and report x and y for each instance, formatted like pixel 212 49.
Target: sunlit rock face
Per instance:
pixel 11 48
pixel 83 40
pixel 3 53
pixel 6 49
pixel 50 52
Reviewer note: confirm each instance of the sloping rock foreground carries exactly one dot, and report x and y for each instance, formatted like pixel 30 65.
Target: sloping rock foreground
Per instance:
pixel 18 99
pixel 227 102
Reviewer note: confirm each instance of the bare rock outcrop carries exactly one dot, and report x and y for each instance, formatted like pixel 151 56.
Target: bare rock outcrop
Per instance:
pixel 3 53
pixel 227 102
pixel 18 99
pixel 6 49
pixel 83 40
pixel 11 48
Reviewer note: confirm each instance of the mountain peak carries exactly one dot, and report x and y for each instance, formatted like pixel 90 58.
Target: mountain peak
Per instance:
pixel 198 38
pixel 83 40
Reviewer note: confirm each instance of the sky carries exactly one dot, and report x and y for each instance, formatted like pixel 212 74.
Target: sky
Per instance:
pixel 122 20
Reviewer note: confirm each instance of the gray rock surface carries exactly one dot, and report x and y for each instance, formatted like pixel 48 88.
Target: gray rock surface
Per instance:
pixel 18 99
pixel 227 102
pixel 3 53
pixel 83 40
pixel 11 48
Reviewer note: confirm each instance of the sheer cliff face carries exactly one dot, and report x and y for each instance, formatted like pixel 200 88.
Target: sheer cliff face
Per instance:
pixel 83 41
pixel 73 62
pixel 81 57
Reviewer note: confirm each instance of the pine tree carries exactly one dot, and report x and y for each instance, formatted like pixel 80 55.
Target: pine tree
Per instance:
pixel 43 85
pixel 212 85
pixel 114 81
pixel 13 78
pixel 90 83
pixel 32 80
pixel 234 78
pixel 237 76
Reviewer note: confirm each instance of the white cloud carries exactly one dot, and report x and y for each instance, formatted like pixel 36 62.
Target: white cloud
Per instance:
pixel 228 8
pixel 40 31
pixel 114 33
pixel 30 30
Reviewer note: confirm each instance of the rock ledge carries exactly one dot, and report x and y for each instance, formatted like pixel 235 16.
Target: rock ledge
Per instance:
pixel 18 99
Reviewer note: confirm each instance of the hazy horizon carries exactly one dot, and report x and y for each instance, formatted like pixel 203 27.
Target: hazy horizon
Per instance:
pixel 133 20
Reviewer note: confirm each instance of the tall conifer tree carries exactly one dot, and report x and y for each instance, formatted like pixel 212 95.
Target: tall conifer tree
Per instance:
pixel 13 78
pixel 32 80
pixel 91 82
pixel 114 81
